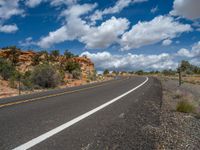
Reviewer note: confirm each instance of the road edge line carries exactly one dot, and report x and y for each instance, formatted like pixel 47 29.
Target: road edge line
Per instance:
pixel 64 126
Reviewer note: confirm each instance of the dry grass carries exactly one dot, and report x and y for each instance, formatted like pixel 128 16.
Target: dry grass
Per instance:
pixel 194 79
pixel 185 107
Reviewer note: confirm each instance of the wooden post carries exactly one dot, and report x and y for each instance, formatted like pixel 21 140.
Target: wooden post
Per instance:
pixel 19 85
pixel 180 80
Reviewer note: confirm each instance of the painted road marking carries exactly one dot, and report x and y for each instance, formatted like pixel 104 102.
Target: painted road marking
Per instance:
pixel 62 127
pixel 52 95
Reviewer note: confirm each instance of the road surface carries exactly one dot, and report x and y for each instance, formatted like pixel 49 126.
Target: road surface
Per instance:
pixel 110 115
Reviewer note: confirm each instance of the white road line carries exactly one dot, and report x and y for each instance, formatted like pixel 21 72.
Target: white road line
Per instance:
pixel 62 127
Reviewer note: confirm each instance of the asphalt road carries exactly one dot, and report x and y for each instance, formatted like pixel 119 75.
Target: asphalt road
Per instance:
pixel 118 114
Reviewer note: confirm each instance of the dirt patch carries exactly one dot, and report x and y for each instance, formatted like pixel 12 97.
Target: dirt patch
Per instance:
pixel 7 91
pixel 179 130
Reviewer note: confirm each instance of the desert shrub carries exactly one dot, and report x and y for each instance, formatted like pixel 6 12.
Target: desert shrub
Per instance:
pixel 14 55
pixel 54 55
pixel 26 80
pixel 36 59
pixel 92 76
pixel 76 74
pixel 6 69
pixel 68 54
pixel 140 72
pixel 13 79
pixel 106 72
pixel 185 106
pixel 188 68
pixel 62 75
pixel 169 72
pixel 70 66
pixel 45 76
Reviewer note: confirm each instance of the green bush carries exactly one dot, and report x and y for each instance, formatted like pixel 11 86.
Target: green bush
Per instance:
pixel 12 82
pixel 68 54
pixel 26 81
pixel 92 76
pixel 140 72
pixel 168 72
pixel 185 106
pixel 6 69
pixel 76 74
pixel 106 72
pixel 46 76
pixel 71 66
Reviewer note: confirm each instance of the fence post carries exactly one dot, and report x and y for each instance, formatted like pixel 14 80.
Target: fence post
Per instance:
pixel 180 80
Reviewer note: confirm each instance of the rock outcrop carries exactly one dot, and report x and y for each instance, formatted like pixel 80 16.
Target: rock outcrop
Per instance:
pixel 25 61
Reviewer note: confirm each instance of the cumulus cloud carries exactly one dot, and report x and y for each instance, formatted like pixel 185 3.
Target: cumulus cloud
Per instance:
pixel 9 8
pixel 92 36
pixel 195 61
pixel 60 2
pixel 105 60
pixel 74 28
pixel 156 30
pixel 184 53
pixel 8 28
pixel 186 8
pixel 167 42
pixel 34 3
pixel 193 53
pixel 27 42
pixel 105 34
pixel 119 6
pixel 54 37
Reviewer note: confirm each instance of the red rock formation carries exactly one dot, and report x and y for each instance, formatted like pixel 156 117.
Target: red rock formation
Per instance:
pixel 25 62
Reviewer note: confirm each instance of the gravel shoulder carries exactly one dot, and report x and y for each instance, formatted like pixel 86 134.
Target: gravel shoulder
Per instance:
pixel 180 131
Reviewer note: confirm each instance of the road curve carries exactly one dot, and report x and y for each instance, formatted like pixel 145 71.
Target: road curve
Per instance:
pixel 89 117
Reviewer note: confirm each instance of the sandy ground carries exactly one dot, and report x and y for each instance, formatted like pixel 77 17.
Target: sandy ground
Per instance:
pixel 180 131
pixel 194 79
pixel 7 91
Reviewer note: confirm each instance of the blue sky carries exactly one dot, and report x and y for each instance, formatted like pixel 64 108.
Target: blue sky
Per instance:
pixel 115 34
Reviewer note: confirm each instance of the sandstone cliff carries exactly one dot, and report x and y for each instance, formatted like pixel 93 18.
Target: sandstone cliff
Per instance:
pixel 25 61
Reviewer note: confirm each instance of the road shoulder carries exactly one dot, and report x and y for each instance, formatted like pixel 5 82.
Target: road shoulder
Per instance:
pixel 178 130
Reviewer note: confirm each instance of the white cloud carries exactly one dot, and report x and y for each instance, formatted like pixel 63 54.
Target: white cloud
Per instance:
pixel 55 37
pixel 9 8
pixel 186 8
pixel 167 42
pixel 106 60
pixel 195 61
pixel 60 2
pixel 156 30
pixel 27 42
pixel 34 3
pixel 119 6
pixel 76 28
pixel 154 10
pixel 184 53
pixel 193 53
pixel 196 50
pixel 106 34
pixel 78 10
pixel 8 28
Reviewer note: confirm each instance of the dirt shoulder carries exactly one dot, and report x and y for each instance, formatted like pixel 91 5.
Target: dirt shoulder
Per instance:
pixel 179 130
pixel 7 91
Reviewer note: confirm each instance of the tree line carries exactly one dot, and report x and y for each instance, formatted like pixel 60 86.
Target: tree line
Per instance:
pixel 185 67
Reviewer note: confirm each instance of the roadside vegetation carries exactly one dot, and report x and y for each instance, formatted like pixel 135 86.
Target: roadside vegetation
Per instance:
pixel 49 69
pixel 185 106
